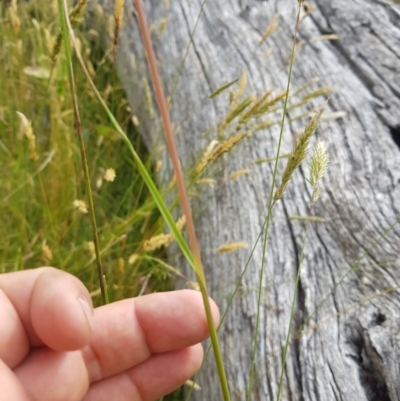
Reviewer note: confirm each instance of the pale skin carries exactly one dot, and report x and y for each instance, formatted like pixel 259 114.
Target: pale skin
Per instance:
pixel 55 347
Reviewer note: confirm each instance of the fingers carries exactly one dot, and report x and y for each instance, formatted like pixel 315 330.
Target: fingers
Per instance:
pixel 14 344
pixel 128 332
pixel 10 386
pixel 157 376
pixel 54 308
pixel 49 375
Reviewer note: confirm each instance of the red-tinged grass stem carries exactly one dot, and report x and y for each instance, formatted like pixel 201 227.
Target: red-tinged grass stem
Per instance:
pixel 162 104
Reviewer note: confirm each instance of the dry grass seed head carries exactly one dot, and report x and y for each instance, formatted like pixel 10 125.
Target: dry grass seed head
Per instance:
pixel 232 247
pixel 238 173
pixel 47 254
pixel 322 91
pixel 204 158
pixel 206 181
pixel 14 19
pixel 271 28
pixel 222 148
pixel 158 166
pixel 254 107
pixel 109 175
pixel 314 219
pixel 308 9
pixel 80 205
pixel 318 163
pixel 162 25
pixel 148 97
pixel 133 258
pixel 241 88
pixel 190 383
pixel 27 131
pixel 163 240
pixel 118 11
pixel 330 36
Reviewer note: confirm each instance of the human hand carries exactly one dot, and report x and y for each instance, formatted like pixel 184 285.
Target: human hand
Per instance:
pixel 54 347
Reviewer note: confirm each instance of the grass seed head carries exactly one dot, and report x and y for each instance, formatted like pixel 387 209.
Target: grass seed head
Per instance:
pixel 299 153
pixel 133 258
pixel 211 155
pixel 163 240
pixel 233 246
pixel 109 175
pixel 80 205
pixel 162 25
pixel 238 173
pixel 271 28
pixel 27 131
pixel 47 254
pixel 206 181
pixel 205 157
pixel 14 19
pixel 148 97
pixel 228 145
pixel 119 8
pixel 318 163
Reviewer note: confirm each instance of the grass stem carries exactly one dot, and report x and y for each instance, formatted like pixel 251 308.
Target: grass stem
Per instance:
pixel 64 20
pixel 162 104
pixel 270 205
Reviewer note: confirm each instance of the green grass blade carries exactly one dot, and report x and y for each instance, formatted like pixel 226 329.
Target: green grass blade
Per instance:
pixel 158 199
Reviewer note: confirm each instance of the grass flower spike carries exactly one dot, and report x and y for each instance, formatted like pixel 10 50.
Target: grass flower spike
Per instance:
pixel 318 164
pixel 27 131
pixel 299 153
pixel 163 240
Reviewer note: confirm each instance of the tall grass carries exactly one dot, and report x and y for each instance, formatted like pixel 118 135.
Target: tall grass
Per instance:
pixel 42 176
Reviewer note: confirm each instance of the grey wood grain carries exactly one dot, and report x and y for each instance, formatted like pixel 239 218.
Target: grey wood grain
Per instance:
pixel 348 304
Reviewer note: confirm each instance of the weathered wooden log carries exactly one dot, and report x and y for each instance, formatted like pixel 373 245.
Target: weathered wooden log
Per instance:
pixel 348 304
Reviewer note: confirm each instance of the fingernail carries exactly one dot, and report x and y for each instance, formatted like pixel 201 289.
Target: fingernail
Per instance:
pixel 87 310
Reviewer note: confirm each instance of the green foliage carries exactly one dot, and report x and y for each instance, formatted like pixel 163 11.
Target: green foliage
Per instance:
pixel 42 173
